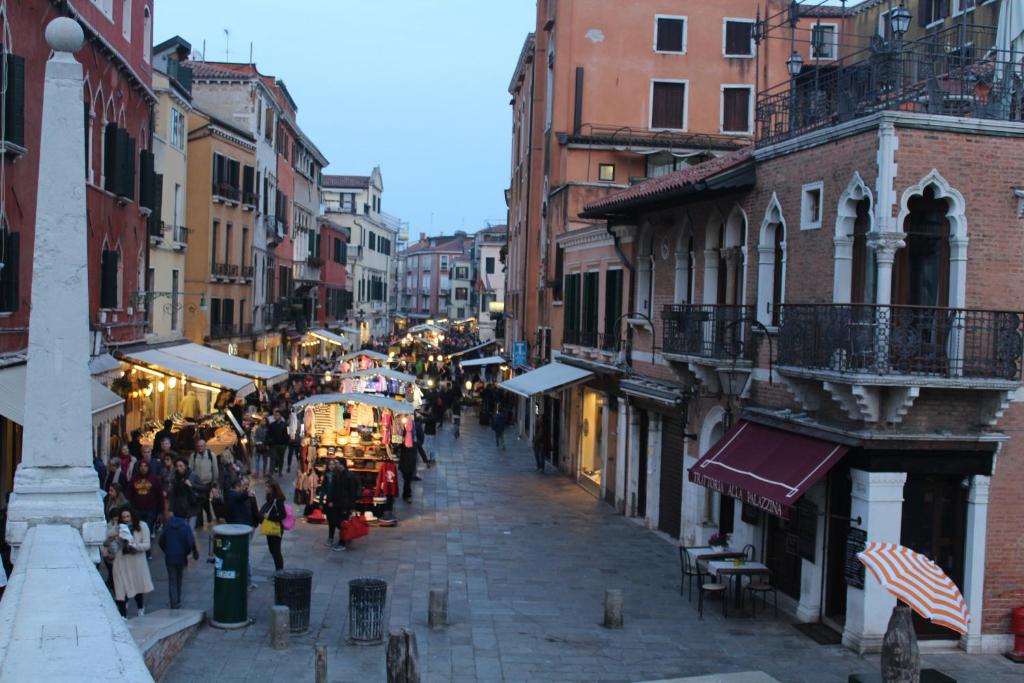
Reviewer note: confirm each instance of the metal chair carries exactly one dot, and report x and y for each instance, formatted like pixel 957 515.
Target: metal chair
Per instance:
pixel 750 552
pixel 689 570
pixel 760 586
pixel 714 587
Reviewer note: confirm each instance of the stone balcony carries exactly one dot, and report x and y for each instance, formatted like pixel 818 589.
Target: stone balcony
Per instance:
pixel 714 341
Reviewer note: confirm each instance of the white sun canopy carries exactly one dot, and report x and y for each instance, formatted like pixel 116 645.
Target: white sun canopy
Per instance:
pixel 399 407
pixel 477 362
pixel 219 360
pixel 105 404
pixel 546 378
pixel 331 338
pixel 194 372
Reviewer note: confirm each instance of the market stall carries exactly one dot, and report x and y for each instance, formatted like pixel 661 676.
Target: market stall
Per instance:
pixel 384 381
pixel 365 429
pixel 362 360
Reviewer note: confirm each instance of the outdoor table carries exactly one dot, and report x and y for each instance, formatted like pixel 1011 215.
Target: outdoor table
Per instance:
pixel 703 554
pixel 725 568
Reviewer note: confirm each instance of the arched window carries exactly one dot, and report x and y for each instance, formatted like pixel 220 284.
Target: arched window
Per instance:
pixel 147 34
pixel 921 275
pixel 684 266
pixel 771 272
pixel 645 273
pixel 712 258
pixel 854 271
pixel 733 258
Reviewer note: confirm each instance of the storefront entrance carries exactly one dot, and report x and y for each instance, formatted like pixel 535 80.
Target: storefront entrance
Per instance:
pixel 644 427
pixel 837 533
pixel 591 441
pixel 671 493
pixel 934 524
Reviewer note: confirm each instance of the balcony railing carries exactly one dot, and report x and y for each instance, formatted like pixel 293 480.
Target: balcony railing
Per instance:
pixel 222 330
pixel 902 340
pixel 247 272
pixel 250 199
pixel 226 191
pixel 954 72
pixel 180 234
pixel 224 270
pixel 715 332
pixel 608 341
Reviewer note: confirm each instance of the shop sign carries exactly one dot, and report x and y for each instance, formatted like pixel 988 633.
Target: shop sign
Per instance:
pixel 519 354
pixel 853 570
pixel 232 349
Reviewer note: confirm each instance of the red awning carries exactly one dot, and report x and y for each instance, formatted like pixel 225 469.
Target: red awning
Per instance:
pixel 765 467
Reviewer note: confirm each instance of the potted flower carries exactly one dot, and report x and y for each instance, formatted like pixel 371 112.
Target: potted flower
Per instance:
pixel 719 540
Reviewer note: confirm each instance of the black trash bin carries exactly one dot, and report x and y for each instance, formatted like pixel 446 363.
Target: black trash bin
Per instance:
pixel 366 599
pixel 292 588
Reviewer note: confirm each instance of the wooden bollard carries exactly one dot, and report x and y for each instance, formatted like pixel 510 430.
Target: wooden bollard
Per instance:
pixel 613 608
pixel 280 618
pixel 901 661
pixel 320 664
pixel 437 615
pixel 401 657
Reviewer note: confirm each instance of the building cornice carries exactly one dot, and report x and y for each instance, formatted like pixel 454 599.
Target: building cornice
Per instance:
pixel 596 236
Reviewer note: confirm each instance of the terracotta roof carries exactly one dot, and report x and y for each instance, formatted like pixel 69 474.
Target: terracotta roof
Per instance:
pixel 346 181
pixel 666 184
pixel 221 70
pixel 823 11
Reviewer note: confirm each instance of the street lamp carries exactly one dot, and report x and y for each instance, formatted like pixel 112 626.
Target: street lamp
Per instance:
pixel 899 20
pixel 795 65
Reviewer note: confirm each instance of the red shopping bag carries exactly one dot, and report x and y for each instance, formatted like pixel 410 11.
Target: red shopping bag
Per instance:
pixel 354 528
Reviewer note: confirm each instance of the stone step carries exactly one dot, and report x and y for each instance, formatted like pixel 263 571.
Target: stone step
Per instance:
pixel 162 634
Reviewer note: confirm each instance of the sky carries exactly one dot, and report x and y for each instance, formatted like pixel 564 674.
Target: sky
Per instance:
pixel 419 87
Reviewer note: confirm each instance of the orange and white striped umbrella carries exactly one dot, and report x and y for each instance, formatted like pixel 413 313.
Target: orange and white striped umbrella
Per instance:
pixel 919 582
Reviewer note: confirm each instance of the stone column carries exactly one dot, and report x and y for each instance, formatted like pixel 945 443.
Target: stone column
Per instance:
pixel 621 450
pixel 654 472
pixel 877 498
pixel 55 482
pixel 974 560
pixel 632 486
pixel 885 246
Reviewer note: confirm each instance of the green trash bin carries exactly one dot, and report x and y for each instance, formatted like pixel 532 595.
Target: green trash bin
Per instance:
pixel 230 575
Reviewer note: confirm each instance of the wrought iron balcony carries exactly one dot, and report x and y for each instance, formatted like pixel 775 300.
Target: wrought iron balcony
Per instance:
pixel 609 341
pixel 180 234
pixel 713 332
pixel 902 340
pixel 224 270
pixel 247 272
pixel 226 191
pixel 223 330
pixel 955 72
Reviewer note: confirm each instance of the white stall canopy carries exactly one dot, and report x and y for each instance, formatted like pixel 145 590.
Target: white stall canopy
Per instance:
pixel 204 355
pixel 172 365
pixel 546 378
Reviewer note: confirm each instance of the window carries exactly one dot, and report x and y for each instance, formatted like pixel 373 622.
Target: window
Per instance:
pixel 823 41
pixel 668 105
pixel 126 19
pixel 444 263
pixel 571 304
pixel 268 125
pixel 606 172
pixel 489 265
pixel 962 6
pixel 175 274
pixel 118 161
pixel 810 206
pixel 109 269
pixel 177 128
pixel 10 257
pixel 736 101
pixel 612 308
pixel 462 273
pixel 932 11
pixel 213 243
pixel 738 39
pixel 105 6
pixel 14 99
pixel 670 34
pixel 373 242
pixel 147 35
pixel 591 295
pixel 461 293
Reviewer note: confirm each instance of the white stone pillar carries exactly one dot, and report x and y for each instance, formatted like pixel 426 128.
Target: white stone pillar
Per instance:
pixel 55 482
pixel 622 450
pixel 632 485
pixel 974 560
pixel 877 498
pixel 654 472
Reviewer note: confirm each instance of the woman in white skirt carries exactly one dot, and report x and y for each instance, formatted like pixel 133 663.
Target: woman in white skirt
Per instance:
pixel 131 570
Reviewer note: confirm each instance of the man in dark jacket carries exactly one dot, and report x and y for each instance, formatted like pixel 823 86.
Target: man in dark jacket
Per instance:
pixel 164 433
pixel 241 508
pixel 277 437
pixel 177 541
pixel 184 494
pixel 341 499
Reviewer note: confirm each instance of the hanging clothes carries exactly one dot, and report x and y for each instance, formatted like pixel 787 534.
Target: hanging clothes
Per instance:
pixel 387 480
pixel 409 429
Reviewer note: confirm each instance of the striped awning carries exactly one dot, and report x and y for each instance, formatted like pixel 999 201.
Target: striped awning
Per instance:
pixel 919 582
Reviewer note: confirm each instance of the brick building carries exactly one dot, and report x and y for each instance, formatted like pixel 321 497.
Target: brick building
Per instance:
pixel 335 298
pixel 812 341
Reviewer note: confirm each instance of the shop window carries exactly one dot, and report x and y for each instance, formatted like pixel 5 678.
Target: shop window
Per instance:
pixel 670 34
pixel 668 105
pixel 736 102
pixel 109 276
pixel 10 257
pixel 606 173
pixel 739 41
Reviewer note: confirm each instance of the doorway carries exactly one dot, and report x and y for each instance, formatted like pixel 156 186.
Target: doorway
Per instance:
pixel 671 489
pixel 782 554
pixel 837 532
pixel 934 524
pixel 644 427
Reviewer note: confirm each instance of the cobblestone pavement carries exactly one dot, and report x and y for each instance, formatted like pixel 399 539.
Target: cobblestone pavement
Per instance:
pixel 527 558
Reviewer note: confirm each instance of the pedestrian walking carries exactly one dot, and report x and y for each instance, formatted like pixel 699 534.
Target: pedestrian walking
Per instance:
pixel 130 569
pixel 341 500
pixel 178 542
pixel 407 466
pixel 146 495
pixel 204 465
pixel 273 512
pixel 115 500
pixel 240 507
pixel 498 425
pixel 277 437
pixel 182 493
pixel 540 444
pixel 261 453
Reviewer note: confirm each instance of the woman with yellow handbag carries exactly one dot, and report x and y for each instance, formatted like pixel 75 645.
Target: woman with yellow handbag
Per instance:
pixel 273 512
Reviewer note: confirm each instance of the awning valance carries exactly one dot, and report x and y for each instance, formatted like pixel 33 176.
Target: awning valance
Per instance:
pixel 105 404
pixel 372 355
pixel 395 406
pixel 166 363
pixel 331 338
pixel 546 378
pixel 490 360
pixel 765 467
pixel 204 355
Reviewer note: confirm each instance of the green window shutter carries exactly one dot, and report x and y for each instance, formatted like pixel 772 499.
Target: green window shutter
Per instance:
pixel 146 176
pixel 156 217
pixel 9 274
pixel 14 100
pixel 129 161
pixel 110 157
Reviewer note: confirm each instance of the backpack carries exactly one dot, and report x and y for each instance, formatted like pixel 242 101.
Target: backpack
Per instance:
pixel 288 523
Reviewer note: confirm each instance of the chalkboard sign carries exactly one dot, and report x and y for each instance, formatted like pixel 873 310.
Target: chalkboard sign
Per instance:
pixel 807 524
pixel 856 541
